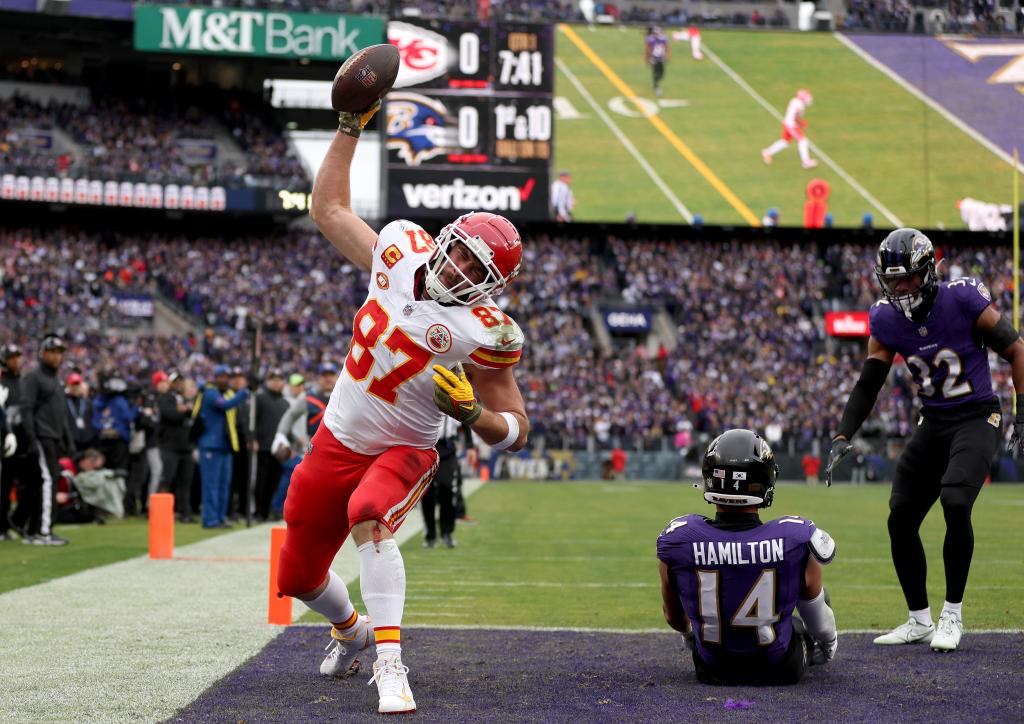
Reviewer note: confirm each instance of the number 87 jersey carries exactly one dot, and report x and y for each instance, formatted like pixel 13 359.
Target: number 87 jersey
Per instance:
pixel 384 396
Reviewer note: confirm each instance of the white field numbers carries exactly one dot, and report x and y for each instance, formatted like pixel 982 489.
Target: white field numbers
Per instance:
pixel 757 611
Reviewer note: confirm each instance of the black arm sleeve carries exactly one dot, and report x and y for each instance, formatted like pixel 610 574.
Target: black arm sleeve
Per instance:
pixel 862 399
pixel 1000 336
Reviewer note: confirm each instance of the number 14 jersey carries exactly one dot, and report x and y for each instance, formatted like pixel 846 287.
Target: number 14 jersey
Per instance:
pixel 385 393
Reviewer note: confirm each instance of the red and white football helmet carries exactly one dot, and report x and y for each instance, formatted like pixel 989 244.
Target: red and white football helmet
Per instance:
pixel 495 243
pixel 805 95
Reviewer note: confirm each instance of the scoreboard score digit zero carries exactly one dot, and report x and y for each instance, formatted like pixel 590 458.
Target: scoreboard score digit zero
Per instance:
pixel 471 107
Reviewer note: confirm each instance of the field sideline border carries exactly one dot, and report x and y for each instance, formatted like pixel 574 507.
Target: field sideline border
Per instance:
pixel 927 100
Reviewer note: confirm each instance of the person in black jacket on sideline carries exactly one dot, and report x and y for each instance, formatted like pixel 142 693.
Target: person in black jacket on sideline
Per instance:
pixel 44 415
pixel 176 447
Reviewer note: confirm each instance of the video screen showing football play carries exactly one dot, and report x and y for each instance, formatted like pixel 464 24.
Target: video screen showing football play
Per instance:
pixel 899 129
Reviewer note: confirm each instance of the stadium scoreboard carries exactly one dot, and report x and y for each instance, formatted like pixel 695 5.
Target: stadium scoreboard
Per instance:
pixel 470 122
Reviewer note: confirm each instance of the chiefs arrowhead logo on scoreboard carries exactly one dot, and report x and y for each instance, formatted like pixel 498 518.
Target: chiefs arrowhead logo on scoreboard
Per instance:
pixel 425 54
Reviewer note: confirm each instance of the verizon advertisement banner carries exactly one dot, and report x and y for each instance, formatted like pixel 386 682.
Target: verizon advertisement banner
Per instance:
pixel 447 194
pixel 847 324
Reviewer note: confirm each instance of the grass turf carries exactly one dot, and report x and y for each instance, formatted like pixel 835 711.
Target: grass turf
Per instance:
pixel 582 555
pixel 917 166
pixel 90 546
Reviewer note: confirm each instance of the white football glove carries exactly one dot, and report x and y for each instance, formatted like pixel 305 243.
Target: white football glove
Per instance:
pixel 10 444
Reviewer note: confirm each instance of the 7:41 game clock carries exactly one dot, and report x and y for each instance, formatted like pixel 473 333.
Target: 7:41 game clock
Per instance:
pixel 471 100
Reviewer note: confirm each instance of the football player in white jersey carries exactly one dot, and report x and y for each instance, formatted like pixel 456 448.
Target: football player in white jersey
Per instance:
pixel 793 125
pixel 428 312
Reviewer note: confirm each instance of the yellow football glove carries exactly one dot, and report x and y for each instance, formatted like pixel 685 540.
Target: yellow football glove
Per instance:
pixel 352 123
pixel 454 396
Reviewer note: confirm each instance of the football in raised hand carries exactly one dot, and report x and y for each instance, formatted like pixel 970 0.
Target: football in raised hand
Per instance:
pixel 365 77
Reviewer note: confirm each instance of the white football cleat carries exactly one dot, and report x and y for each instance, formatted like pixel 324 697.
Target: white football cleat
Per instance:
pixel 810 163
pixel 393 689
pixel 341 661
pixel 766 157
pixel 947 633
pixel 911 632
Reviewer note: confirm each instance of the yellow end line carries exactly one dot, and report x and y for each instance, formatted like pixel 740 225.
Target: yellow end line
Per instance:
pixel 684 150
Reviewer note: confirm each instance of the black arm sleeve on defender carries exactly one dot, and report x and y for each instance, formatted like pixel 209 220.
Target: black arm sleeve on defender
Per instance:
pixel 1000 336
pixel 862 399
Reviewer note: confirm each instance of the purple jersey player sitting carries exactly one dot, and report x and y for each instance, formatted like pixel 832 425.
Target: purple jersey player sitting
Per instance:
pixel 730 585
pixel 944 332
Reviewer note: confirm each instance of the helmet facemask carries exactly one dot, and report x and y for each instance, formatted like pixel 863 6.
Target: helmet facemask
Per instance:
pixel 464 291
pixel 909 302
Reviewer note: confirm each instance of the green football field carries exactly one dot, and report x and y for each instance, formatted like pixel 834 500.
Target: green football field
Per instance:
pixel 582 555
pixel 572 555
pixel 881 150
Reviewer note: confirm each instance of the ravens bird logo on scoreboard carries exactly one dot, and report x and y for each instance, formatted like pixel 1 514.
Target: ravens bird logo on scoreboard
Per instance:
pixel 420 128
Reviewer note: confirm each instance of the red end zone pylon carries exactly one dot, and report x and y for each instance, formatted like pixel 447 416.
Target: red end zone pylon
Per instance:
pixel 161 525
pixel 279 610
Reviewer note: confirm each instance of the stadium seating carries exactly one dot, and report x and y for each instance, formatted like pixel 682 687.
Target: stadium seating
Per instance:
pixel 750 343
pixel 185 140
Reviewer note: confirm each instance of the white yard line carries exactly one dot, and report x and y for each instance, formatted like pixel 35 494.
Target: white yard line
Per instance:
pixel 138 640
pixel 927 100
pixel 839 170
pixel 680 207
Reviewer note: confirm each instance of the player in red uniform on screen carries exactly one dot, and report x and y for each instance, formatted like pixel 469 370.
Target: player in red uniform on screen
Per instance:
pixel 793 127
pixel 429 310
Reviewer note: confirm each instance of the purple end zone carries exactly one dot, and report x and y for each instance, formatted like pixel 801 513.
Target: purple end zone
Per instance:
pixel 994 110
pixel 514 676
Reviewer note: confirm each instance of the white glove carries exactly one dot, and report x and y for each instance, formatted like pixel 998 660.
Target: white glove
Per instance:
pixel 10 444
pixel 280 441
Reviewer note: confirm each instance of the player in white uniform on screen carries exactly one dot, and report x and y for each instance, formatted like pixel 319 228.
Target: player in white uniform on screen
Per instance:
pixel 429 309
pixel 793 125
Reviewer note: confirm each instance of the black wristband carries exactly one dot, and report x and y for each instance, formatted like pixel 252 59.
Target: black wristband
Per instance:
pixel 1020 407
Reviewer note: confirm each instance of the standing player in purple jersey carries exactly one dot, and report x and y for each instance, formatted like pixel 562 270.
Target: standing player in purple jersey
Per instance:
pixel 656 53
pixel 944 332
pixel 730 584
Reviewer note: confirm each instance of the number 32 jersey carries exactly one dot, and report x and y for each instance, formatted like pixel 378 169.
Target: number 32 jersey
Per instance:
pixel 385 394
pixel 945 355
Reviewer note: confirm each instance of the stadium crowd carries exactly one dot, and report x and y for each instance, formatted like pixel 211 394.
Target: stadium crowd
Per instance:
pixel 750 346
pixel 142 139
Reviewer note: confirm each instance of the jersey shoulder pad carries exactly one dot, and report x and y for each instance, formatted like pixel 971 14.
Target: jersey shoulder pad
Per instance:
pixel 970 294
pixel 822 546
pixel 401 239
pixel 674 525
pixel 497 338
pixel 880 319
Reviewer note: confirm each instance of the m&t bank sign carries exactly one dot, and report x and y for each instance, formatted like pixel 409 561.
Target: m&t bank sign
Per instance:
pixel 176 29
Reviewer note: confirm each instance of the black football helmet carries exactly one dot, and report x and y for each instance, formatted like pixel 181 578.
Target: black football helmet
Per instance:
pixel 739 470
pixel 905 253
